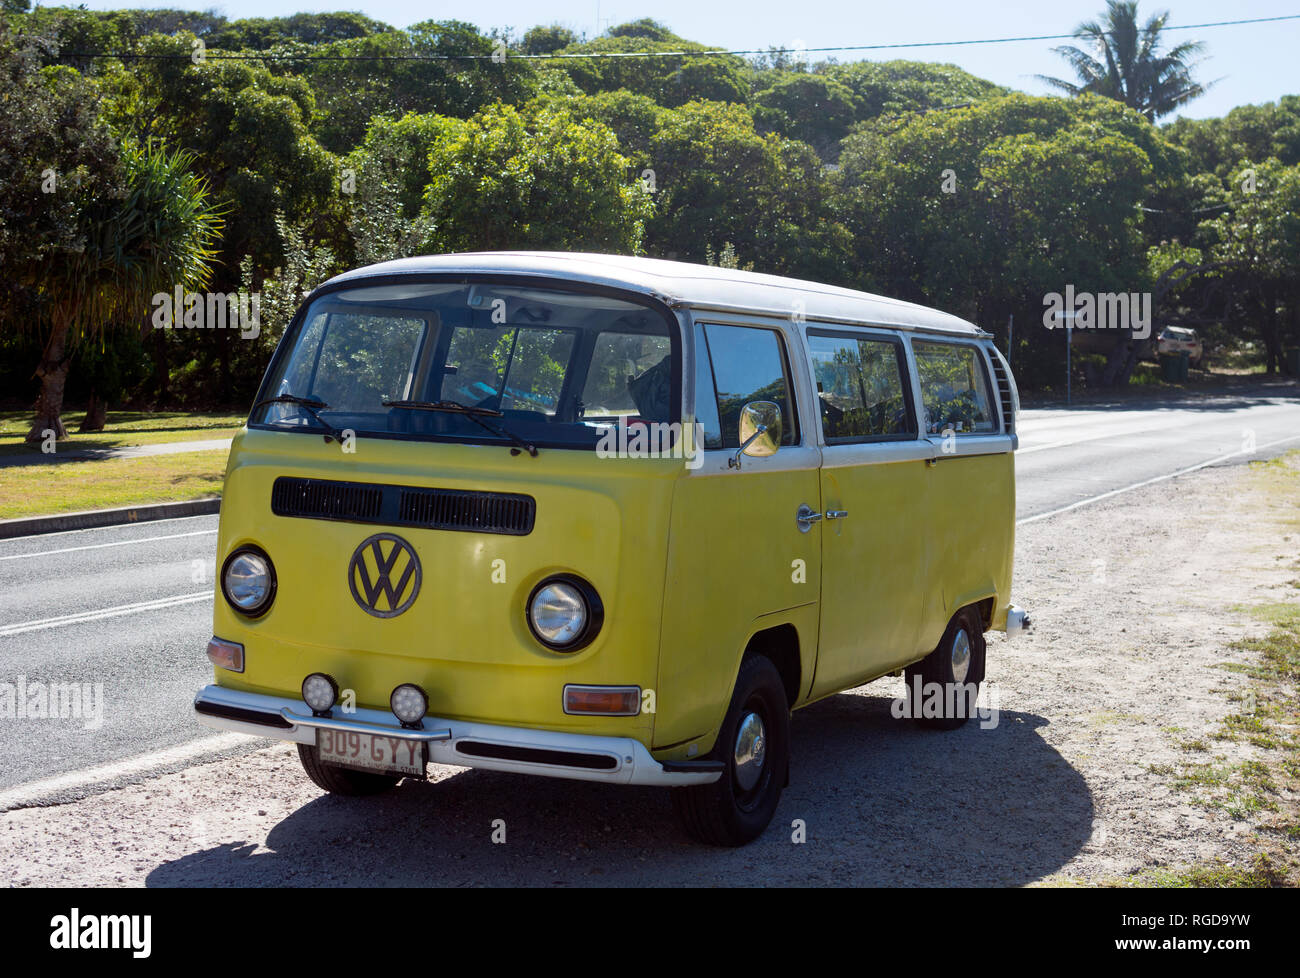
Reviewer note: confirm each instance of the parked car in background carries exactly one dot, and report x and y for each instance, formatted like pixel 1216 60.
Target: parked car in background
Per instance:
pixel 1175 339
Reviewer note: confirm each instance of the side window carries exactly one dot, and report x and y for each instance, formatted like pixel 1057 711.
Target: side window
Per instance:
pixel 706 395
pixel 749 365
pixel 954 388
pixel 860 388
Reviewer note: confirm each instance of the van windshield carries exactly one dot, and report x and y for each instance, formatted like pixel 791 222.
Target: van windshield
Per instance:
pixel 560 367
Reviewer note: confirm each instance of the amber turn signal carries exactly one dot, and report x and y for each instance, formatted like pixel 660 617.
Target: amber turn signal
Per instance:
pixel 226 655
pixel 617 701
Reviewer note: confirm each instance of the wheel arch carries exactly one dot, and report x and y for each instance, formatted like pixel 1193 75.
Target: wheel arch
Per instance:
pixel 780 645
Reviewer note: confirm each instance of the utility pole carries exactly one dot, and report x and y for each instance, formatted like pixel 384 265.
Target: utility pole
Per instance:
pixel 1011 338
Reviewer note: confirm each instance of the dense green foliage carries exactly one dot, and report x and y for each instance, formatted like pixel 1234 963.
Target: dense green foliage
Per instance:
pixel 333 140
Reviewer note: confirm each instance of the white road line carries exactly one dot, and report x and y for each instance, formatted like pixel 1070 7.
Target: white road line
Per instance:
pixel 122 609
pixel 1159 478
pixel 99 546
pixel 27 794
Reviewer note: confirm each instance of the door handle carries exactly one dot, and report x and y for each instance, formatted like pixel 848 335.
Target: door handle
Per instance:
pixel 805 517
pixel 837 514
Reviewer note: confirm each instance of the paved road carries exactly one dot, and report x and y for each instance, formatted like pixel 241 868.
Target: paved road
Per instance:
pixel 118 606
pixel 130 607
pixel 1072 454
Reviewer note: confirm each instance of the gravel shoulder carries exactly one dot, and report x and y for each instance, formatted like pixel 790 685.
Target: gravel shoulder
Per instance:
pixel 1137 602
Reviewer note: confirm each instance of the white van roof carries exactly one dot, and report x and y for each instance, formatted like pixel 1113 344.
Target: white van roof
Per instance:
pixel 681 284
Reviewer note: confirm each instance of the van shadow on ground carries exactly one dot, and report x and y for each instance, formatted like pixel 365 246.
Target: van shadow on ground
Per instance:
pixel 883 802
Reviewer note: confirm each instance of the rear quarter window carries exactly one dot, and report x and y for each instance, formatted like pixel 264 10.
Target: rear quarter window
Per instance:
pixel 954 388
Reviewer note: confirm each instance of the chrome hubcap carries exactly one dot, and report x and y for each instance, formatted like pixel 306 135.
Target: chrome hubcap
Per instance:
pixel 751 749
pixel 960 656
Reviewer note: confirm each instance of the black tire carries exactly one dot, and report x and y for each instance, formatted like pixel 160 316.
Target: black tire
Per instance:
pixel 725 813
pixel 341 780
pixel 936 669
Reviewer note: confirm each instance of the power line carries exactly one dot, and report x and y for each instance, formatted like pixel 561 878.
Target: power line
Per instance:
pixel 613 55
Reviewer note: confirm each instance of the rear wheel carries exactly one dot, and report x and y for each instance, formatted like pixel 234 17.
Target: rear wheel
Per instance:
pixel 754 745
pixel 341 780
pixel 950 676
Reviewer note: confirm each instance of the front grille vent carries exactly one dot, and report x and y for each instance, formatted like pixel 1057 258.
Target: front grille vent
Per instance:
pixel 433 509
pixel 487 512
pixel 318 499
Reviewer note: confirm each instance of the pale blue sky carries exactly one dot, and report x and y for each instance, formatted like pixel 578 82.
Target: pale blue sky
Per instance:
pixel 1256 62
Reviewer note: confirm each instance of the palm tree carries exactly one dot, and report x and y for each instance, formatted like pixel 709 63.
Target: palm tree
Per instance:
pixel 157 232
pixel 1128 65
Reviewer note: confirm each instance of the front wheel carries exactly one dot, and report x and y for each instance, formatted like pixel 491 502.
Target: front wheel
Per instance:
pixel 943 688
pixel 754 745
pixel 341 780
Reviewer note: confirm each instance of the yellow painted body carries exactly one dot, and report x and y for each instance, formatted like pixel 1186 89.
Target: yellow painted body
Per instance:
pixel 689 565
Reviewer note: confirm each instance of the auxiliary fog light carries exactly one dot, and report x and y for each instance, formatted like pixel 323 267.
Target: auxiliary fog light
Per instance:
pixel 409 703
pixel 320 692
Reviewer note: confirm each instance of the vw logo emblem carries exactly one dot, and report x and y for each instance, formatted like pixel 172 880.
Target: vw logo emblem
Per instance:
pixel 384 575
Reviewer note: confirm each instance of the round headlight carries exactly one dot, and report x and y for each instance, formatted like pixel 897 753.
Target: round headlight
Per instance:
pixel 409 703
pixel 248 581
pixel 320 692
pixel 564 613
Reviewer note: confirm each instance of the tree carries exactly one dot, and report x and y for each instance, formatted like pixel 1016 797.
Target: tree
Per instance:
pixel 263 33
pixel 816 109
pixel 391 172
pixel 57 158
pixel 55 155
pixel 1256 246
pixel 540 179
pixel 1132 69
pixel 893 88
pixel 434 66
pixel 248 132
pixel 718 180
pixel 1248 132
pixel 633 118
pixel 984 210
pixel 547 40
pixel 154 233
pixel 282 292
pixel 671 80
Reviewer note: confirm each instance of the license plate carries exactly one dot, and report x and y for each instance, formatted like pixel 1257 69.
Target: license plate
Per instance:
pixel 370 752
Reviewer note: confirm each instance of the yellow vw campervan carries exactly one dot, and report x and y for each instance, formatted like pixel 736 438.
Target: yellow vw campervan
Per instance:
pixel 606 518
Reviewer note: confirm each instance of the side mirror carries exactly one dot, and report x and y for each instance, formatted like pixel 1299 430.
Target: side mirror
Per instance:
pixel 760 431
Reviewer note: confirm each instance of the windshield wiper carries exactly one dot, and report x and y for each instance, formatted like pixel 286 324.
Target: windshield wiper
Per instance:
pixel 475 414
pixel 311 405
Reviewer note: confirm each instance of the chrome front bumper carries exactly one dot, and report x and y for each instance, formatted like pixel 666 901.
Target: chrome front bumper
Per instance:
pixel 548 753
